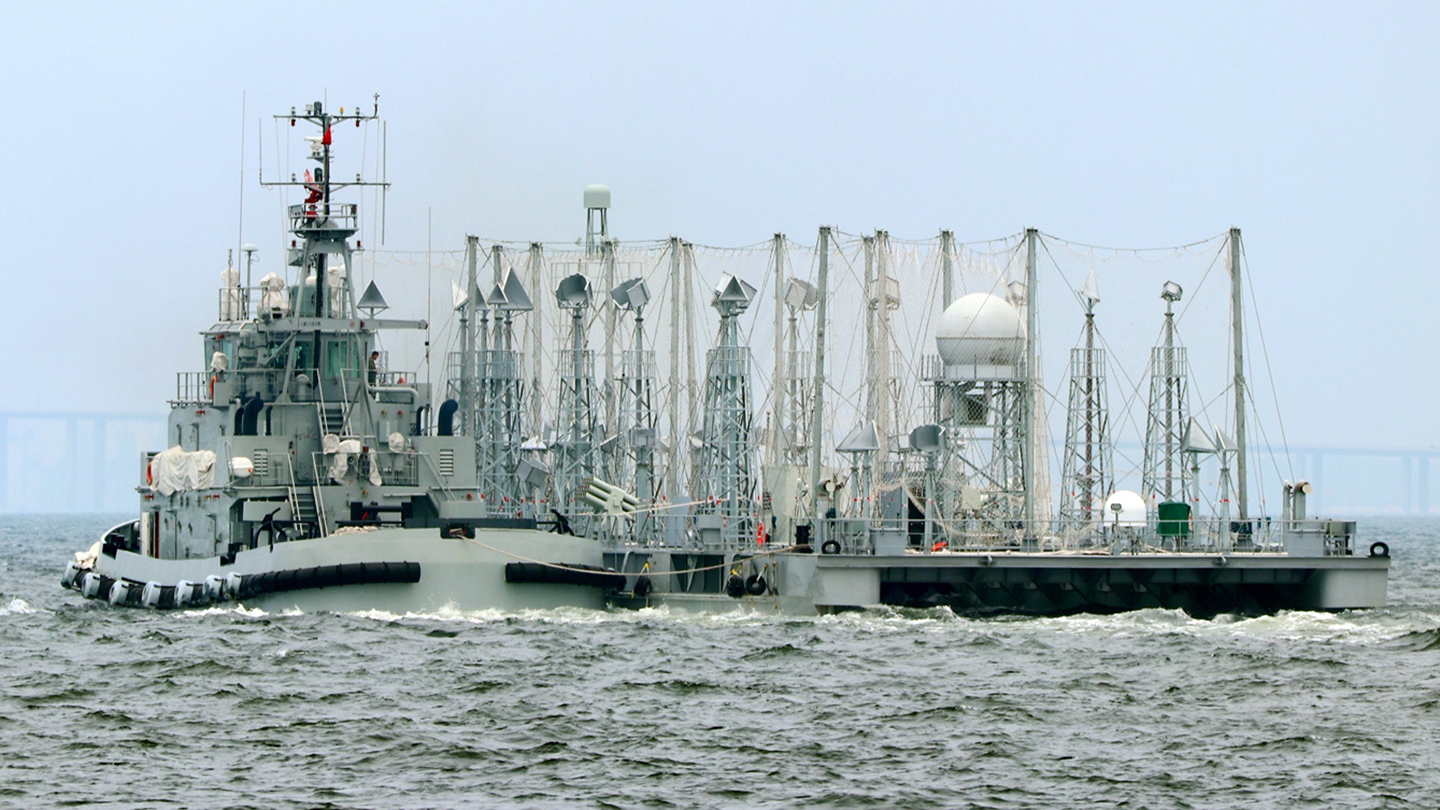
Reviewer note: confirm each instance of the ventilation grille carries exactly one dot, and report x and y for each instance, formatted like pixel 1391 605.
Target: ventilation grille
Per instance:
pixel 261 460
pixel 447 462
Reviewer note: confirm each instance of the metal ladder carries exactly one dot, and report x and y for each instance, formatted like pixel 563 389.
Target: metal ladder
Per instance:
pixel 332 418
pixel 304 504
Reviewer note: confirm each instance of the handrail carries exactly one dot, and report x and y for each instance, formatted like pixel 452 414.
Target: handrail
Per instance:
pixel 291 494
pixel 315 494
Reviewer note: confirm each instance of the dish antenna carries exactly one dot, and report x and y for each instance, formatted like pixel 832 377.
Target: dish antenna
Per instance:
pixel 574 292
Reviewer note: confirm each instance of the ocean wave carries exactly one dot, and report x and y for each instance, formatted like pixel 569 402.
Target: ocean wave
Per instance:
pixel 18 607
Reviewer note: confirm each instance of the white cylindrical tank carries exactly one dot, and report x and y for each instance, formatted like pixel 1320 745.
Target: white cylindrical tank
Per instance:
pixel 981 330
pixel 1131 514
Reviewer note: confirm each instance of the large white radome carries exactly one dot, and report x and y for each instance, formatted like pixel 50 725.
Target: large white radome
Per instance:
pixel 980 329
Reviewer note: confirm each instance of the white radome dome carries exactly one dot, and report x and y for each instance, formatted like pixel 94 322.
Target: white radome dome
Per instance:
pixel 1132 509
pixel 980 329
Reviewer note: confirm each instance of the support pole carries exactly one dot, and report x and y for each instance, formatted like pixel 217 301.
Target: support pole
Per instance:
pixel 536 327
pixel 947 270
pixel 780 382
pixel 679 442
pixel 1030 400
pixel 467 337
pixel 1242 488
pixel 817 416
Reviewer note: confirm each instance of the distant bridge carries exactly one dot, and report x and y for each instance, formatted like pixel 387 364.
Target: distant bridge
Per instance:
pixel 37 477
pixel 90 469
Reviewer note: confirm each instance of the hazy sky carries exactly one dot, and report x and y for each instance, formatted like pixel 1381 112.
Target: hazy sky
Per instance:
pixel 1311 126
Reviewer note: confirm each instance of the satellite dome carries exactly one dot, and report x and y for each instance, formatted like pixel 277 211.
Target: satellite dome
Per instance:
pixel 980 329
pixel 1131 513
pixel 597 196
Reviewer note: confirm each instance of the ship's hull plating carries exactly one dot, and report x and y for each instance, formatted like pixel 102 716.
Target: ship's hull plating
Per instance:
pixel 1030 583
pixel 455 574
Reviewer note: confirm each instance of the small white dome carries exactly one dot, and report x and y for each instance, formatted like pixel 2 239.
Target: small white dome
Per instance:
pixel 597 196
pixel 980 329
pixel 1131 512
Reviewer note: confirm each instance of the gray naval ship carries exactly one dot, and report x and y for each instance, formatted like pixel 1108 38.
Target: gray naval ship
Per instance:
pixel 304 473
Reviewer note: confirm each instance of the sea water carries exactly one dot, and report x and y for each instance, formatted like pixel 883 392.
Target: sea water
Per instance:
pixel 239 708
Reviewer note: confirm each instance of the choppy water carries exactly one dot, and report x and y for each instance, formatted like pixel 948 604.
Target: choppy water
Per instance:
pixel 236 708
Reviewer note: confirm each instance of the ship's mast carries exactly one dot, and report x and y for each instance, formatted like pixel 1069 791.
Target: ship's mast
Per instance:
pixel 1238 338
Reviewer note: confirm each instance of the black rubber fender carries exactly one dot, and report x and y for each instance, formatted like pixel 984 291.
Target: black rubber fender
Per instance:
pixel 735 586
pixel 642 587
pixel 1380 549
pixel 756 585
pixel 830 547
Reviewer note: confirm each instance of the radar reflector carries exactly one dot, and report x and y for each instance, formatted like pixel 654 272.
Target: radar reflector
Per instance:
pixel 1196 439
pixel 631 295
pixel 574 291
pixel 732 296
pixel 927 439
pixel 372 300
pixel 801 295
pixel 863 439
pixel 516 298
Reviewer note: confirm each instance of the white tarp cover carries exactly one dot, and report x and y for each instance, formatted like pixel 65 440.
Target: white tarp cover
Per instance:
pixel 273 300
pixel 230 309
pixel 175 470
pixel 335 289
pixel 373 466
pixel 340 467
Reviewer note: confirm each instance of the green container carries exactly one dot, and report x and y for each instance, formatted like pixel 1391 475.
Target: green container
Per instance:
pixel 1174 519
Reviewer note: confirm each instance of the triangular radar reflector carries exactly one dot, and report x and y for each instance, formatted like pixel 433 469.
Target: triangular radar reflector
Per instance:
pixel 863 439
pixel 1224 442
pixel 372 299
pixel 732 289
pixel 1196 439
pixel 516 298
pixel 496 298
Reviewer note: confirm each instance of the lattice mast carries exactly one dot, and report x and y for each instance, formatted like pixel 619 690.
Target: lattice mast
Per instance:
pixel 502 394
pixel 725 475
pixel 1165 477
pixel 635 418
pixel 791 400
pixel 1088 470
pixel 575 443
pixel 882 399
